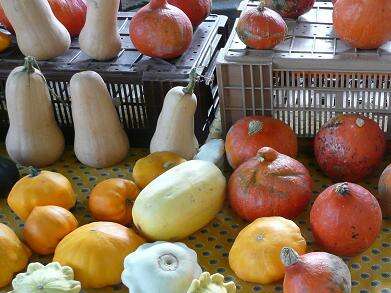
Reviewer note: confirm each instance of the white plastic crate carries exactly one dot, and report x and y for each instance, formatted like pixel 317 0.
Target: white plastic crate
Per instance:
pixel 307 79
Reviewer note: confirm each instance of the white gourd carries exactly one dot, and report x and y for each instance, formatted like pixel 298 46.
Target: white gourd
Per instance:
pixel 100 140
pixel 38 31
pixel 207 283
pixel 175 126
pixel 33 138
pixel 99 37
pixel 212 151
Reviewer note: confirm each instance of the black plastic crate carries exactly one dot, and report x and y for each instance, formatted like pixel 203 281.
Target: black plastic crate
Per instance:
pixel 138 83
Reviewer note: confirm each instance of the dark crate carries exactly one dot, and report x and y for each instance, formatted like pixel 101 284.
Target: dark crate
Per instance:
pixel 137 82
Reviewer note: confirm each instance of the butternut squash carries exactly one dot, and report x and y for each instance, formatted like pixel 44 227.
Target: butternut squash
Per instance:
pixel 175 126
pixel 38 31
pixel 100 140
pixel 99 37
pixel 33 138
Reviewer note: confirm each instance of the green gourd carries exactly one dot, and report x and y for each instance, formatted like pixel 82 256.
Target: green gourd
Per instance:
pixel 211 284
pixel 52 278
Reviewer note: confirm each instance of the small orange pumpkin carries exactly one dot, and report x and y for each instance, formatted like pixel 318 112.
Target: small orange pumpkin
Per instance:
pixel 5 41
pixel 147 169
pixel 112 200
pixel 46 226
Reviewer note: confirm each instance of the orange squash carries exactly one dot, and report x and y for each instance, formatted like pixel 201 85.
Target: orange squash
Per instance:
pixel 14 255
pixel 255 254
pixel 46 226
pixel 40 188
pixel 147 169
pixel 5 41
pixel 96 252
pixel 112 200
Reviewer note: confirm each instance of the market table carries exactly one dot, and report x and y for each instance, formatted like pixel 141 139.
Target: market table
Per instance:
pixel 371 271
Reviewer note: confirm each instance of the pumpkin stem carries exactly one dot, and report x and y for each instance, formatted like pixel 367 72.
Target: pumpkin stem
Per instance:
pixel 155 4
pixel 289 256
pixel 29 63
pixel 342 188
pixel 193 80
pixel 266 154
pixel 34 172
pixel 254 126
pixel 360 122
pixel 261 6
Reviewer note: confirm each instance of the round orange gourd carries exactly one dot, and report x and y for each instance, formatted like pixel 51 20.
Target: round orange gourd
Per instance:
pixel 46 226
pixel 5 41
pixel 255 254
pixel 252 133
pixel 345 219
pixel 96 252
pixel 196 10
pixel 40 188
pixel 261 28
pixel 14 255
pixel 368 27
pixel 147 169
pixel 112 200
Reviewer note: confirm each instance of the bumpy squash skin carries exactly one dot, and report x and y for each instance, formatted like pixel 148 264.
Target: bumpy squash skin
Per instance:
pixel 255 254
pixel 14 255
pixel 349 147
pixel 101 249
pixel 252 133
pixel 261 28
pixel 345 219
pixel 290 8
pixel 319 272
pixel 270 184
pixel 211 284
pixel 196 10
pixel 384 188
pixel 161 30
pixel 180 201
pixel 41 189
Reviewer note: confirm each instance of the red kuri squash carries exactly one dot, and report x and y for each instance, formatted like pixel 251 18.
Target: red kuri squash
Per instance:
pixel 364 24
pixel 290 8
pixel 345 219
pixel 71 13
pixel 349 147
pixel 261 28
pixel 270 184
pixel 161 30
pixel 314 272
pixel 196 10
pixel 252 133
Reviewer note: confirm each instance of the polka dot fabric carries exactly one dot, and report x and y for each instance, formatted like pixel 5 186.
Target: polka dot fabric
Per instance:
pixel 371 271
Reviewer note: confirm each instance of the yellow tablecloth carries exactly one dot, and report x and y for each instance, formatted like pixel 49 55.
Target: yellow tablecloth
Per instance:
pixel 371 271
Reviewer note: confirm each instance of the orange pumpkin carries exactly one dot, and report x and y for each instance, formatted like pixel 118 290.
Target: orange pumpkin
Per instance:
pixel 252 133
pixel 5 41
pixel 319 272
pixel 196 10
pixel 112 200
pixel 147 169
pixel 345 219
pixel 14 255
pixel 368 28
pixel 46 226
pixel 40 188
pixel 384 189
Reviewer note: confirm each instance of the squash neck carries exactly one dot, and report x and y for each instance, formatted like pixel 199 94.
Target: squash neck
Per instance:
pixel 342 189
pixel 34 172
pixel 289 256
pixel 156 4
pixel 189 90
pixel 29 63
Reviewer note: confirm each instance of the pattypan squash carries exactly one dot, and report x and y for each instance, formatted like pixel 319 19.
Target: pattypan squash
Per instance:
pixel 211 284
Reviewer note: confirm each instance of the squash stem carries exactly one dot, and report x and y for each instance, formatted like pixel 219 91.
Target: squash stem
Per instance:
pixel 261 6
pixel 342 189
pixel 34 172
pixel 289 256
pixel 193 80
pixel 29 64
pixel 155 4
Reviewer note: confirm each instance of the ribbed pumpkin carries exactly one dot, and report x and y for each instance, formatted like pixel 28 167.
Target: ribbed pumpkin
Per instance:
pixel 269 184
pixel 161 30
pixel 290 8
pixel 196 10
pixel 14 255
pixel 345 219
pixel 252 133
pixel 384 189
pixel 71 13
pixel 96 252
pixel 261 28
pixel 349 147
pixel 314 272
pixel 368 28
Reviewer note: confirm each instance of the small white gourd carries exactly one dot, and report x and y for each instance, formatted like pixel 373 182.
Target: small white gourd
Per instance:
pixel 175 126
pixel 211 284
pixel 99 37
pixel 100 140
pixel 52 278
pixel 212 151
pixel 33 138
pixel 38 31
pixel 162 267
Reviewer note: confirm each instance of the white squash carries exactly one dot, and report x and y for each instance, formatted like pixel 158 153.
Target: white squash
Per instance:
pixel 180 201
pixel 38 31
pixel 99 37
pixel 162 267
pixel 175 126
pixel 100 140
pixel 33 138
pixel 211 284
pixel 212 151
